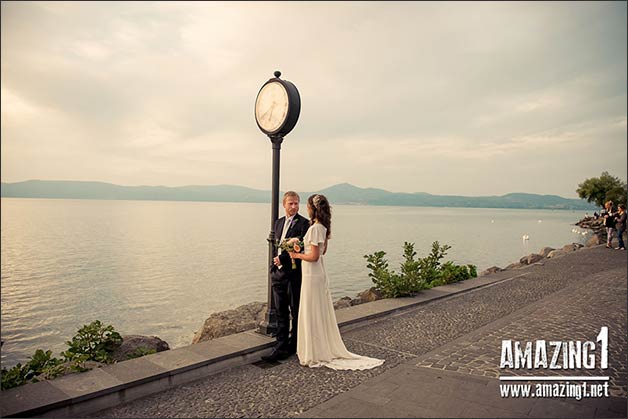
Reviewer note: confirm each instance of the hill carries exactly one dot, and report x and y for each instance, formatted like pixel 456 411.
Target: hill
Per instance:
pixel 343 193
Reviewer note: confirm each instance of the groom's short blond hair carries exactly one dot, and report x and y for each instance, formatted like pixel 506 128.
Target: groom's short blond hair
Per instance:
pixel 291 194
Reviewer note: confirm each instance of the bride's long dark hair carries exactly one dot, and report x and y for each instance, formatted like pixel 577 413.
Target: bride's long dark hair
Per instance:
pixel 320 211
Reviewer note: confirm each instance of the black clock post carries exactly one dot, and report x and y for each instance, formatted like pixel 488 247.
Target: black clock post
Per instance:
pixel 277 109
pixel 269 324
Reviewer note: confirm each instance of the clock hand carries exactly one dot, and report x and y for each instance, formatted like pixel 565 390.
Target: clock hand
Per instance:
pixel 271 109
pixel 268 110
pixel 264 114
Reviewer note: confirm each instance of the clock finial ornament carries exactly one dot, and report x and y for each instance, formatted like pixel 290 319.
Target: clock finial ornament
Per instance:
pixel 277 73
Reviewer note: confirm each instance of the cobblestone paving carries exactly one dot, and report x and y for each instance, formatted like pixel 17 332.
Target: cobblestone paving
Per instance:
pixel 575 313
pixel 288 389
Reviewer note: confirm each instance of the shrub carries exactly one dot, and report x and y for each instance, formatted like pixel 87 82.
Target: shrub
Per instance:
pixel 451 273
pixel 93 342
pixel 429 266
pixel 41 364
pixel 415 274
pixel 44 364
pixel 388 282
pixel 14 377
pixel 411 270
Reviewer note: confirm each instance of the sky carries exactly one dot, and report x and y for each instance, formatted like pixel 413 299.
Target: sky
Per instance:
pixel 449 98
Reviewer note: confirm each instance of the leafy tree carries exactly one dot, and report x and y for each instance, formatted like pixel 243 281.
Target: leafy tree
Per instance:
pixel 602 189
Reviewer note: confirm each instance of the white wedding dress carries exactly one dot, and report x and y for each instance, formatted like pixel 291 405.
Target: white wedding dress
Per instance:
pixel 318 341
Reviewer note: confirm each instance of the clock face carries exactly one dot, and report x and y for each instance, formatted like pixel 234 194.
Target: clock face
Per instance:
pixel 271 106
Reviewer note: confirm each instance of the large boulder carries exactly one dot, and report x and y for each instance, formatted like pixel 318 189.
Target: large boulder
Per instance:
pixel 137 345
pixel 514 265
pixel 240 319
pixel 597 229
pixel 556 253
pixel 592 224
pixel 531 258
pixel 343 302
pixel 594 240
pixel 371 294
pixel 571 247
pixel 545 251
pixel 491 270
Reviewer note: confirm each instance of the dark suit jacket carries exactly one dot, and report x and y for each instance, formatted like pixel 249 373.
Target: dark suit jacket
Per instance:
pixel 297 228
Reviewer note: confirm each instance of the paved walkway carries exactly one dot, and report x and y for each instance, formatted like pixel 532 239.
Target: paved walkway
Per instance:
pixel 442 358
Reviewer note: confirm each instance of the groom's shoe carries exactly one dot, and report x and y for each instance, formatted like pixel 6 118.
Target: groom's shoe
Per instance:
pixel 276 355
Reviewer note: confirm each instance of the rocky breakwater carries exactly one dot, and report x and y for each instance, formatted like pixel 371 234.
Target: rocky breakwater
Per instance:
pixel 597 237
pixel 240 319
pixel 596 225
pixel 532 258
pixel 249 316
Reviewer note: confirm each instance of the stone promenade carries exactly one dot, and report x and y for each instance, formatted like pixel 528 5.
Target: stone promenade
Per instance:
pixel 442 358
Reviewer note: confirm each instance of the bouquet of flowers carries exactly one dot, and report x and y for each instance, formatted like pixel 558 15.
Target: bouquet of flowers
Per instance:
pixel 291 245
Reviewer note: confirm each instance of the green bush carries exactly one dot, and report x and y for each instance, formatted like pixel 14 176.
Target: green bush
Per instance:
pixel 429 267
pixel 44 364
pixel 388 282
pixel 415 274
pixel 41 364
pixel 411 270
pixel 451 273
pixel 391 284
pixel 14 377
pixel 92 342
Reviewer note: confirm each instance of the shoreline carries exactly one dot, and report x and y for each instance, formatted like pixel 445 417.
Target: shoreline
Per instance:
pixel 453 317
pixel 240 318
pixel 249 316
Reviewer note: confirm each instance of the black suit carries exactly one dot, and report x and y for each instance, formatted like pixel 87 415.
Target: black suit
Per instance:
pixel 286 284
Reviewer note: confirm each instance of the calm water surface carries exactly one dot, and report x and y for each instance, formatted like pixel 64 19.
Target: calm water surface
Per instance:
pixel 161 268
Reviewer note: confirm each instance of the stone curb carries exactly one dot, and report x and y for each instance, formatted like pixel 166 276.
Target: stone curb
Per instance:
pixel 111 385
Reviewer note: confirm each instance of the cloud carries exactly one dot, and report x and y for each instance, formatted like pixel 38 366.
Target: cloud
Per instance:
pixel 393 94
pixel 15 108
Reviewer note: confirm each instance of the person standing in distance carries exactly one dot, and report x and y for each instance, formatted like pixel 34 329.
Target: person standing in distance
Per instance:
pixel 285 281
pixel 620 226
pixel 609 222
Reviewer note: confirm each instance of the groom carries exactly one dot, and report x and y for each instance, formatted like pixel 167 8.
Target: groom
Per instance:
pixel 285 281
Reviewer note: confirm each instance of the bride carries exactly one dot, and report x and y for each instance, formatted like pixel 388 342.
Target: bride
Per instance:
pixel 318 341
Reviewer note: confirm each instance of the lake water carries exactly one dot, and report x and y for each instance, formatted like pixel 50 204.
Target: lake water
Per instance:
pixel 161 268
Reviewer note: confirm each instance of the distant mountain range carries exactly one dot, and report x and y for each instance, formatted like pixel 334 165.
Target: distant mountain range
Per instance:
pixel 343 193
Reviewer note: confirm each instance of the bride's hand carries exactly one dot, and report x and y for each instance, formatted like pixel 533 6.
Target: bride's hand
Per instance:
pixel 293 255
